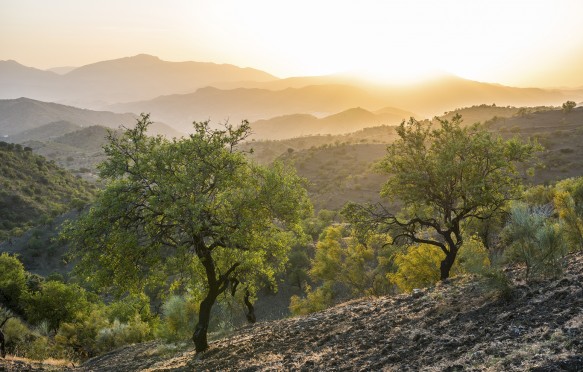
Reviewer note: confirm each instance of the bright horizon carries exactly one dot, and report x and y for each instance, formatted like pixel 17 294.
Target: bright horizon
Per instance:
pixel 511 42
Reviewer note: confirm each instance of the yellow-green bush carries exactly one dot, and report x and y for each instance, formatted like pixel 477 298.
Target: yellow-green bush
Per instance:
pixel 317 300
pixel 419 265
pixel 179 315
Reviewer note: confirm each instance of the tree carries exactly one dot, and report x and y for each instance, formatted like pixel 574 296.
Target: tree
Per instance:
pixel 443 177
pixel 55 303
pixel 568 106
pixel 12 282
pixel 188 214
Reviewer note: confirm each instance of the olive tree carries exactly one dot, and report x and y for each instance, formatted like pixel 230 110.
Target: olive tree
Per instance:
pixel 443 176
pixel 191 214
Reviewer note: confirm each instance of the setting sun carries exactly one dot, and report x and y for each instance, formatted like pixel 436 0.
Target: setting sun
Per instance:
pixel 524 43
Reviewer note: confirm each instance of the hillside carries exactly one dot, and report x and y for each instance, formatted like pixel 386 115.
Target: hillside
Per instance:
pixel 25 119
pixel 461 325
pixel 120 80
pixel 339 168
pixel 235 105
pixel 35 190
pixel 348 121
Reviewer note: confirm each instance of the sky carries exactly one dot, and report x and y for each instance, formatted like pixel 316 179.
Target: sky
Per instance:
pixel 511 42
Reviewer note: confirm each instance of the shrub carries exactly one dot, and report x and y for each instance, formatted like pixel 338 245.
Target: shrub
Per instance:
pixel 118 334
pixel 17 335
pixel 418 267
pixel 318 300
pixel 79 337
pixel 179 315
pixel 535 241
pixel 55 303
pixel 12 281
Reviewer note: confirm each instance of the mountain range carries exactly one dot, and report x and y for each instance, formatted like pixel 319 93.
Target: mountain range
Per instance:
pixel 134 78
pixel 178 93
pixel 25 117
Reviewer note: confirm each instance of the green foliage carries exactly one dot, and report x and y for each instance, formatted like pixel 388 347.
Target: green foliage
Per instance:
pixel 445 176
pixel 81 334
pixel 317 300
pixel 118 334
pixel 56 302
pixel 128 308
pixel 568 201
pixel 12 281
pixel 473 258
pixel 346 268
pixel 34 188
pixel 16 334
pixel 298 266
pixel 568 106
pixel 178 318
pixel 193 209
pixel 347 262
pixel 418 267
pixel 535 241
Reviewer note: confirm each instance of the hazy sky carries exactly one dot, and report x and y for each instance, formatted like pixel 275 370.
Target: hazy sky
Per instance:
pixel 513 42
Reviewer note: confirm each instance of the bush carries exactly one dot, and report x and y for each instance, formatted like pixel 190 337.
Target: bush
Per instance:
pixel 118 334
pixel 418 267
pixel 179 314
pixel 318 300
pixel 17 335
pixel 79 337
pixel 12 281
pixel 55 303
pixel 535 241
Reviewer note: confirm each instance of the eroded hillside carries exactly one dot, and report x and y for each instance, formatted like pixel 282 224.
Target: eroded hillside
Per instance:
pixel 461 325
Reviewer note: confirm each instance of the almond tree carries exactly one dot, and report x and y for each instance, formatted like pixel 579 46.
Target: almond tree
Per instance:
pixel 192 214
pixel 443 177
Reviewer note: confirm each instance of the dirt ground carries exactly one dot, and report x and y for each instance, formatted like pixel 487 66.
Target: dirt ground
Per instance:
pixel 458 326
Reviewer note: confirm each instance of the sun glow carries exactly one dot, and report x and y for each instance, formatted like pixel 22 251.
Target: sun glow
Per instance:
pixel 397 41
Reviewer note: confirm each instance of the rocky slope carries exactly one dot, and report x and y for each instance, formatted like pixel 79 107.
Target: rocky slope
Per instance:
pixel 459 326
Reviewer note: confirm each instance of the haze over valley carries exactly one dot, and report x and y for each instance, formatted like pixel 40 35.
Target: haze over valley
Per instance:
pixel 291 185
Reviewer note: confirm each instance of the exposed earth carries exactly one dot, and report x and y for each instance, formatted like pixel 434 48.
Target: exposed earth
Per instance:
pixel 457 326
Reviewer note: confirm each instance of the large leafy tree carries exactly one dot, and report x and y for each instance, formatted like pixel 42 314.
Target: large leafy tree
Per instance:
pixel 191 214
pixel 443 176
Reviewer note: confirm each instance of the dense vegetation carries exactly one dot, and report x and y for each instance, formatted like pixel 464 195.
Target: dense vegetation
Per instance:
pixel 34 190
pixel 191 215
pixel 192 227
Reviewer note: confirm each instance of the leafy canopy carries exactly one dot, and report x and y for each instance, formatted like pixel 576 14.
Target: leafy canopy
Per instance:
pixel 184 214
pixel 444 176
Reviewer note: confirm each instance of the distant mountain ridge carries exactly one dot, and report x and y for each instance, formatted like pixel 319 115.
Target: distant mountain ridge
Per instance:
pixel 351 120
pixel 179 93
pixel 17 116
pixel 120 80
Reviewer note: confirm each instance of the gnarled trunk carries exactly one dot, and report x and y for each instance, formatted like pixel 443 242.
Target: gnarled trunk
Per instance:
pixel 251 310
pixel 204 316
pixel 447 263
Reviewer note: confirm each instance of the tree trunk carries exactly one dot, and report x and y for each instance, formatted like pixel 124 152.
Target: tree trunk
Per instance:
pixel 447 263
pixel 251 310
pixel 204 316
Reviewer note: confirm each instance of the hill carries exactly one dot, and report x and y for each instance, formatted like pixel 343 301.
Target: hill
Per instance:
pixel 255 104
pixel 25 119
pixel 461 325
pixel 348 121
pixel 35 190
pixel 120 80
pixel 339 168
pixel 252 104
pixel 23 114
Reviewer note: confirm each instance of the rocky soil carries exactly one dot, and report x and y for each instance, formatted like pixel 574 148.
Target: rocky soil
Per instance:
pixel 458 326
